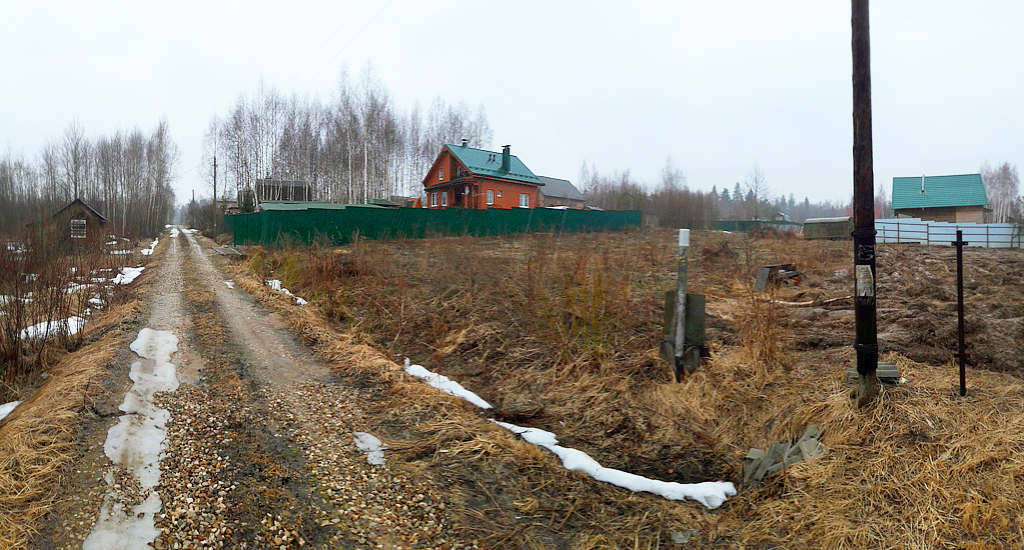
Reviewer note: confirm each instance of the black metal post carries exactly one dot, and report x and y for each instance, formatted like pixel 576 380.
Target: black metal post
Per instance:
pixel 866 342
pixel 962 351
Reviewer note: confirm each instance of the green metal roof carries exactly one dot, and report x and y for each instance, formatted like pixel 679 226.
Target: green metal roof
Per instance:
pixel 939 191
pixel 488 163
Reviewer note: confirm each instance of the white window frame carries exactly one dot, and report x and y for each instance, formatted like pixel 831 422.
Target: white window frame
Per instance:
pixel 490 197
pixel 78 228
pixel 444 198
pixel 440 174
pixel 433 200
pixel 524 200
pixel 499 194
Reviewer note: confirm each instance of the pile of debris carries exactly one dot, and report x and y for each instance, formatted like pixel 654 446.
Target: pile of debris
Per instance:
pixel 758 464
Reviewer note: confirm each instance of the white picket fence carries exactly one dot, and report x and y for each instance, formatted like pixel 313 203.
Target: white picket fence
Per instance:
pixel 914 230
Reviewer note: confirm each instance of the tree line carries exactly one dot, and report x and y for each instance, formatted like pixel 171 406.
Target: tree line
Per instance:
pixel 126 177
pixel 357 147
pixel 674 204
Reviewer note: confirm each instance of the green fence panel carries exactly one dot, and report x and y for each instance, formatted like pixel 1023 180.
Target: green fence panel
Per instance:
pixel 341 226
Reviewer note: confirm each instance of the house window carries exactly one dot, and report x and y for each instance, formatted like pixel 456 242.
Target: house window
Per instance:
pixel 499 194
pixel 433 200
pixel 440 174
pixel 444 199
pixel 490 197
pixel 524 200
pixel 77 229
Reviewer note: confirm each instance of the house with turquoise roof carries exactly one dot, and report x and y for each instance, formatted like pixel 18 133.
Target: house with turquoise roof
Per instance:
pixel 467 177
pixel 953 199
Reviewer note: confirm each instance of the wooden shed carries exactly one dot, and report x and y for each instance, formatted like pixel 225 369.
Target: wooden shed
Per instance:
pixel 77 225
pixel 828 228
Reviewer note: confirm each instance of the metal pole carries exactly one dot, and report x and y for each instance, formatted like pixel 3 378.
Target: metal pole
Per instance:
pixel 866 342
pixel 962 352
pixel 684 247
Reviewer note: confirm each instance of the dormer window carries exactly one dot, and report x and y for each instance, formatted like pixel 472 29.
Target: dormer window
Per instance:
pixel 440 174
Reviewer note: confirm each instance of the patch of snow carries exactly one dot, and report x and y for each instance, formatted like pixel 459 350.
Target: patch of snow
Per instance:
pixel 120 252
pixel 136 443
pixel 372 446
pixel 47 329
pixel 275 284
pixel 6 408
pixel 230 284
pixel 96 302
pixel 709 493
pixel 445 384
pixel 127 275
pixel 75 287
pixel 174 232
pixel 191 231
pixel 148 251
pixel 31 277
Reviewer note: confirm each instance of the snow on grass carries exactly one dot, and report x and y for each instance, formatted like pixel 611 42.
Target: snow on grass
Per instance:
pixel 136 443
pixel 230 284
pixel 120 252
pixel 710 493
pixel 370 445
pixel 445 384
pixel 174 232
pixel 275 284
pixel 6 408
pixel 47 329
pixel 152 245
pixel 127 275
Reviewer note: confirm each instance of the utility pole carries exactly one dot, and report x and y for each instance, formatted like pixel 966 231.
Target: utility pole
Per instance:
pixel 866 342
pixel 216 206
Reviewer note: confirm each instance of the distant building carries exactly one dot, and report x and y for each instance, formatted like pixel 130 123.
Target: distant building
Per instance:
pixel 559 192
pixel 77 224
pixel 268 189
pixel 466 177
pixel 954 199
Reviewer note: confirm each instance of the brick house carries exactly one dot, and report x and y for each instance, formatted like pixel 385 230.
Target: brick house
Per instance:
pixel 466 177
pixel 954 199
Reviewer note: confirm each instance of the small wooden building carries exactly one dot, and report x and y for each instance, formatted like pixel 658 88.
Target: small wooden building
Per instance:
pixel 828 228
pixel 77 225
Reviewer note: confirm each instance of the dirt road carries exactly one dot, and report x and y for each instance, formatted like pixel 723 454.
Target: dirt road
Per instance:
pixel 250 439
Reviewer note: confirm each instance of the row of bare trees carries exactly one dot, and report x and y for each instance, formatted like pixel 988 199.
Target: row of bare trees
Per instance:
pixel 126 177
pixel 352 149
pixel 676 205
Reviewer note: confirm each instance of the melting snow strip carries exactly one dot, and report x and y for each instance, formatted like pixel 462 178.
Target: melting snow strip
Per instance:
pixel 47 329
pixel 445 384
pixel 275 284
pixel 709 493
pixel 7 408
pixel 230 284
pixel 135 443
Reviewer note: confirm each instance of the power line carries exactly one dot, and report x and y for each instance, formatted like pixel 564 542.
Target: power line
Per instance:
pixel 179 174
pixel 343 48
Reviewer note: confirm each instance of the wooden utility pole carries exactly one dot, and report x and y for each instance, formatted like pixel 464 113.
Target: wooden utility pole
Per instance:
pixel 216 206
pixel 866 342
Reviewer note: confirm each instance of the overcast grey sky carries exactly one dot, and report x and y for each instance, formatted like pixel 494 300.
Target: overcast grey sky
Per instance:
pixel 716 86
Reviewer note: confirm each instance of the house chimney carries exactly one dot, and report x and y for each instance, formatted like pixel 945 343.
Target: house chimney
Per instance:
pixel 506 158
pixel 922 183
pixel 465 142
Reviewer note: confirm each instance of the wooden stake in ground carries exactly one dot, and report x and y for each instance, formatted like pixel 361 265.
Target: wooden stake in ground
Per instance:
pixel 866 342
pixel 961 351
pixel 680 340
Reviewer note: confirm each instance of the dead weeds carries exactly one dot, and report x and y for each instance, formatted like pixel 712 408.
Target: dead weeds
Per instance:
pixel 562 332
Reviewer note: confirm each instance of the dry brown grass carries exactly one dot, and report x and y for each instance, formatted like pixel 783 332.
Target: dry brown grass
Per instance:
pixel 38 441
pixel 919 469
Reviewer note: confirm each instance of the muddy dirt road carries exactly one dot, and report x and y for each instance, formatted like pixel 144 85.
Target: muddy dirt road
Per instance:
pixel 246 439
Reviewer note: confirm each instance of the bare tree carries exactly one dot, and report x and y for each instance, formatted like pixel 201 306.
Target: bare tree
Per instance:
pixel 1002 185
pixel 757 190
